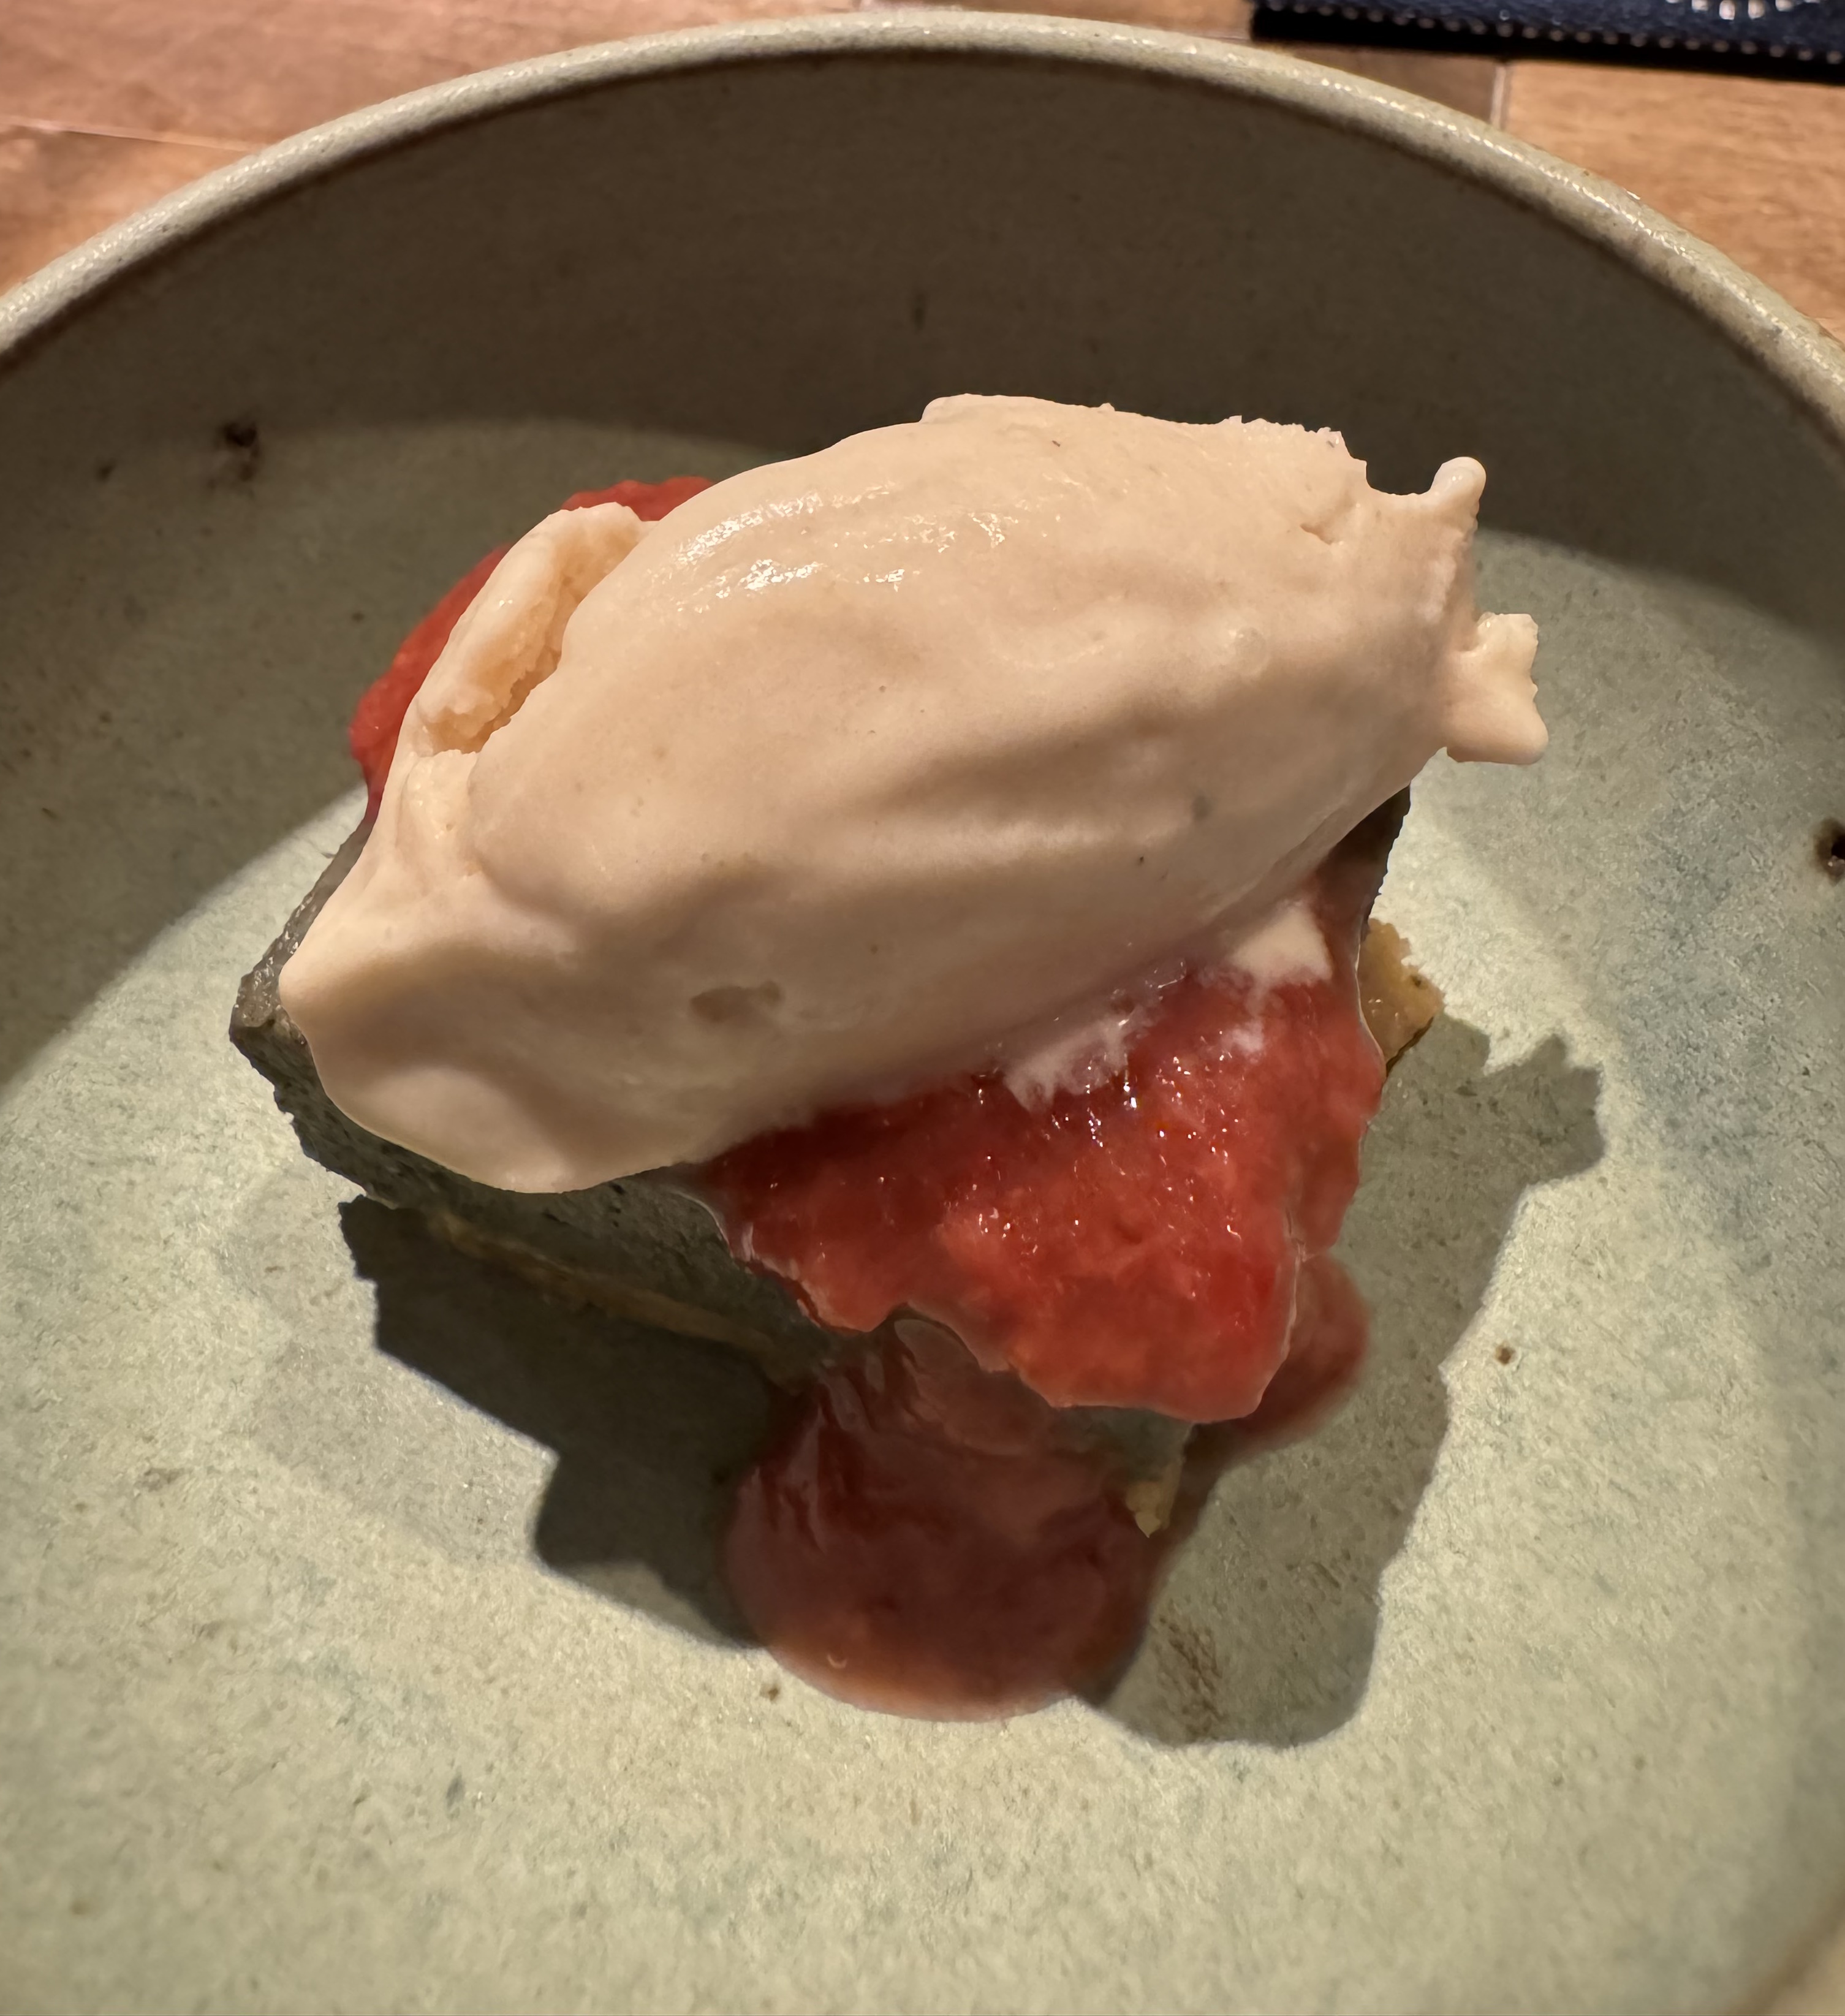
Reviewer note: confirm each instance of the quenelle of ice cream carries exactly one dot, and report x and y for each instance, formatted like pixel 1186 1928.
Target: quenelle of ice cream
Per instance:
pixel 901 758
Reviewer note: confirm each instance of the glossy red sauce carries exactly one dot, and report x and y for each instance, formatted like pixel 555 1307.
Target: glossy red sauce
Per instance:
pixel 937 1536
pixel 1136 1246
pixel 930 1539
pixel 377 720
pixel 932 1536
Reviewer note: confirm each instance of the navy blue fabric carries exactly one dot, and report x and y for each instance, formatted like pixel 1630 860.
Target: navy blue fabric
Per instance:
pixel 1808 34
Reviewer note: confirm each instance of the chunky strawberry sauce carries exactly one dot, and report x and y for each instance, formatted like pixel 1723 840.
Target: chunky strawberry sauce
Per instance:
pixel 932 1531
pixel 1136 1246
pixel 931 1535
pixel 930 1539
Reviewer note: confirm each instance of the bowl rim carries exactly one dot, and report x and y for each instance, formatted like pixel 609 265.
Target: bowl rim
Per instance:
pixel 1806 362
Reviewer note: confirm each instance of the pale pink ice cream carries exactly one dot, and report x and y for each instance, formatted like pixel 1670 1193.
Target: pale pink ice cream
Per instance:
pixel 879 763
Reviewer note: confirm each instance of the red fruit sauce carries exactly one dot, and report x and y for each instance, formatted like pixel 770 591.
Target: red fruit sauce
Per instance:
pixel 932 1532
pixel 930 1539
pixel 1136 1246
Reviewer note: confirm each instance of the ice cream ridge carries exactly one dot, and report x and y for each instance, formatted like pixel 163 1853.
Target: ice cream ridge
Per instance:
pixel 866 831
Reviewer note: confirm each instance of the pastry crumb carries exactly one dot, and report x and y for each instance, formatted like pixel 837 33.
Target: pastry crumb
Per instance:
pixel 1399 1002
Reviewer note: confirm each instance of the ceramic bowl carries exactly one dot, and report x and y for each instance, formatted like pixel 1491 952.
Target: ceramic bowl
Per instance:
pixel 363 1645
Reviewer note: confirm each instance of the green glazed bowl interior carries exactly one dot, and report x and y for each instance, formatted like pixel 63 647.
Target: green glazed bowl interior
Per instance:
pixel 364 1646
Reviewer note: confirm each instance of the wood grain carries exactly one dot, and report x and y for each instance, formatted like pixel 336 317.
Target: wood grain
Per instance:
pixel 107 104
pixel 1756 166
pixel 1469 84
pixel 59 187
pixel 256 70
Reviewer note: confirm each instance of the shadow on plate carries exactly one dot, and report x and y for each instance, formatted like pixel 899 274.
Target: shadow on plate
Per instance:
pixel 650 1431
pixel 1265 1630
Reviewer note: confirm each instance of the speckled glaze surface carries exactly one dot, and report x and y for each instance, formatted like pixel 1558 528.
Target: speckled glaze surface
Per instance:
pixel 360 1645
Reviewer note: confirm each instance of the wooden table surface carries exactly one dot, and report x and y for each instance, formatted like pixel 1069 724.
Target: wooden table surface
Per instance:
pixel 107 104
